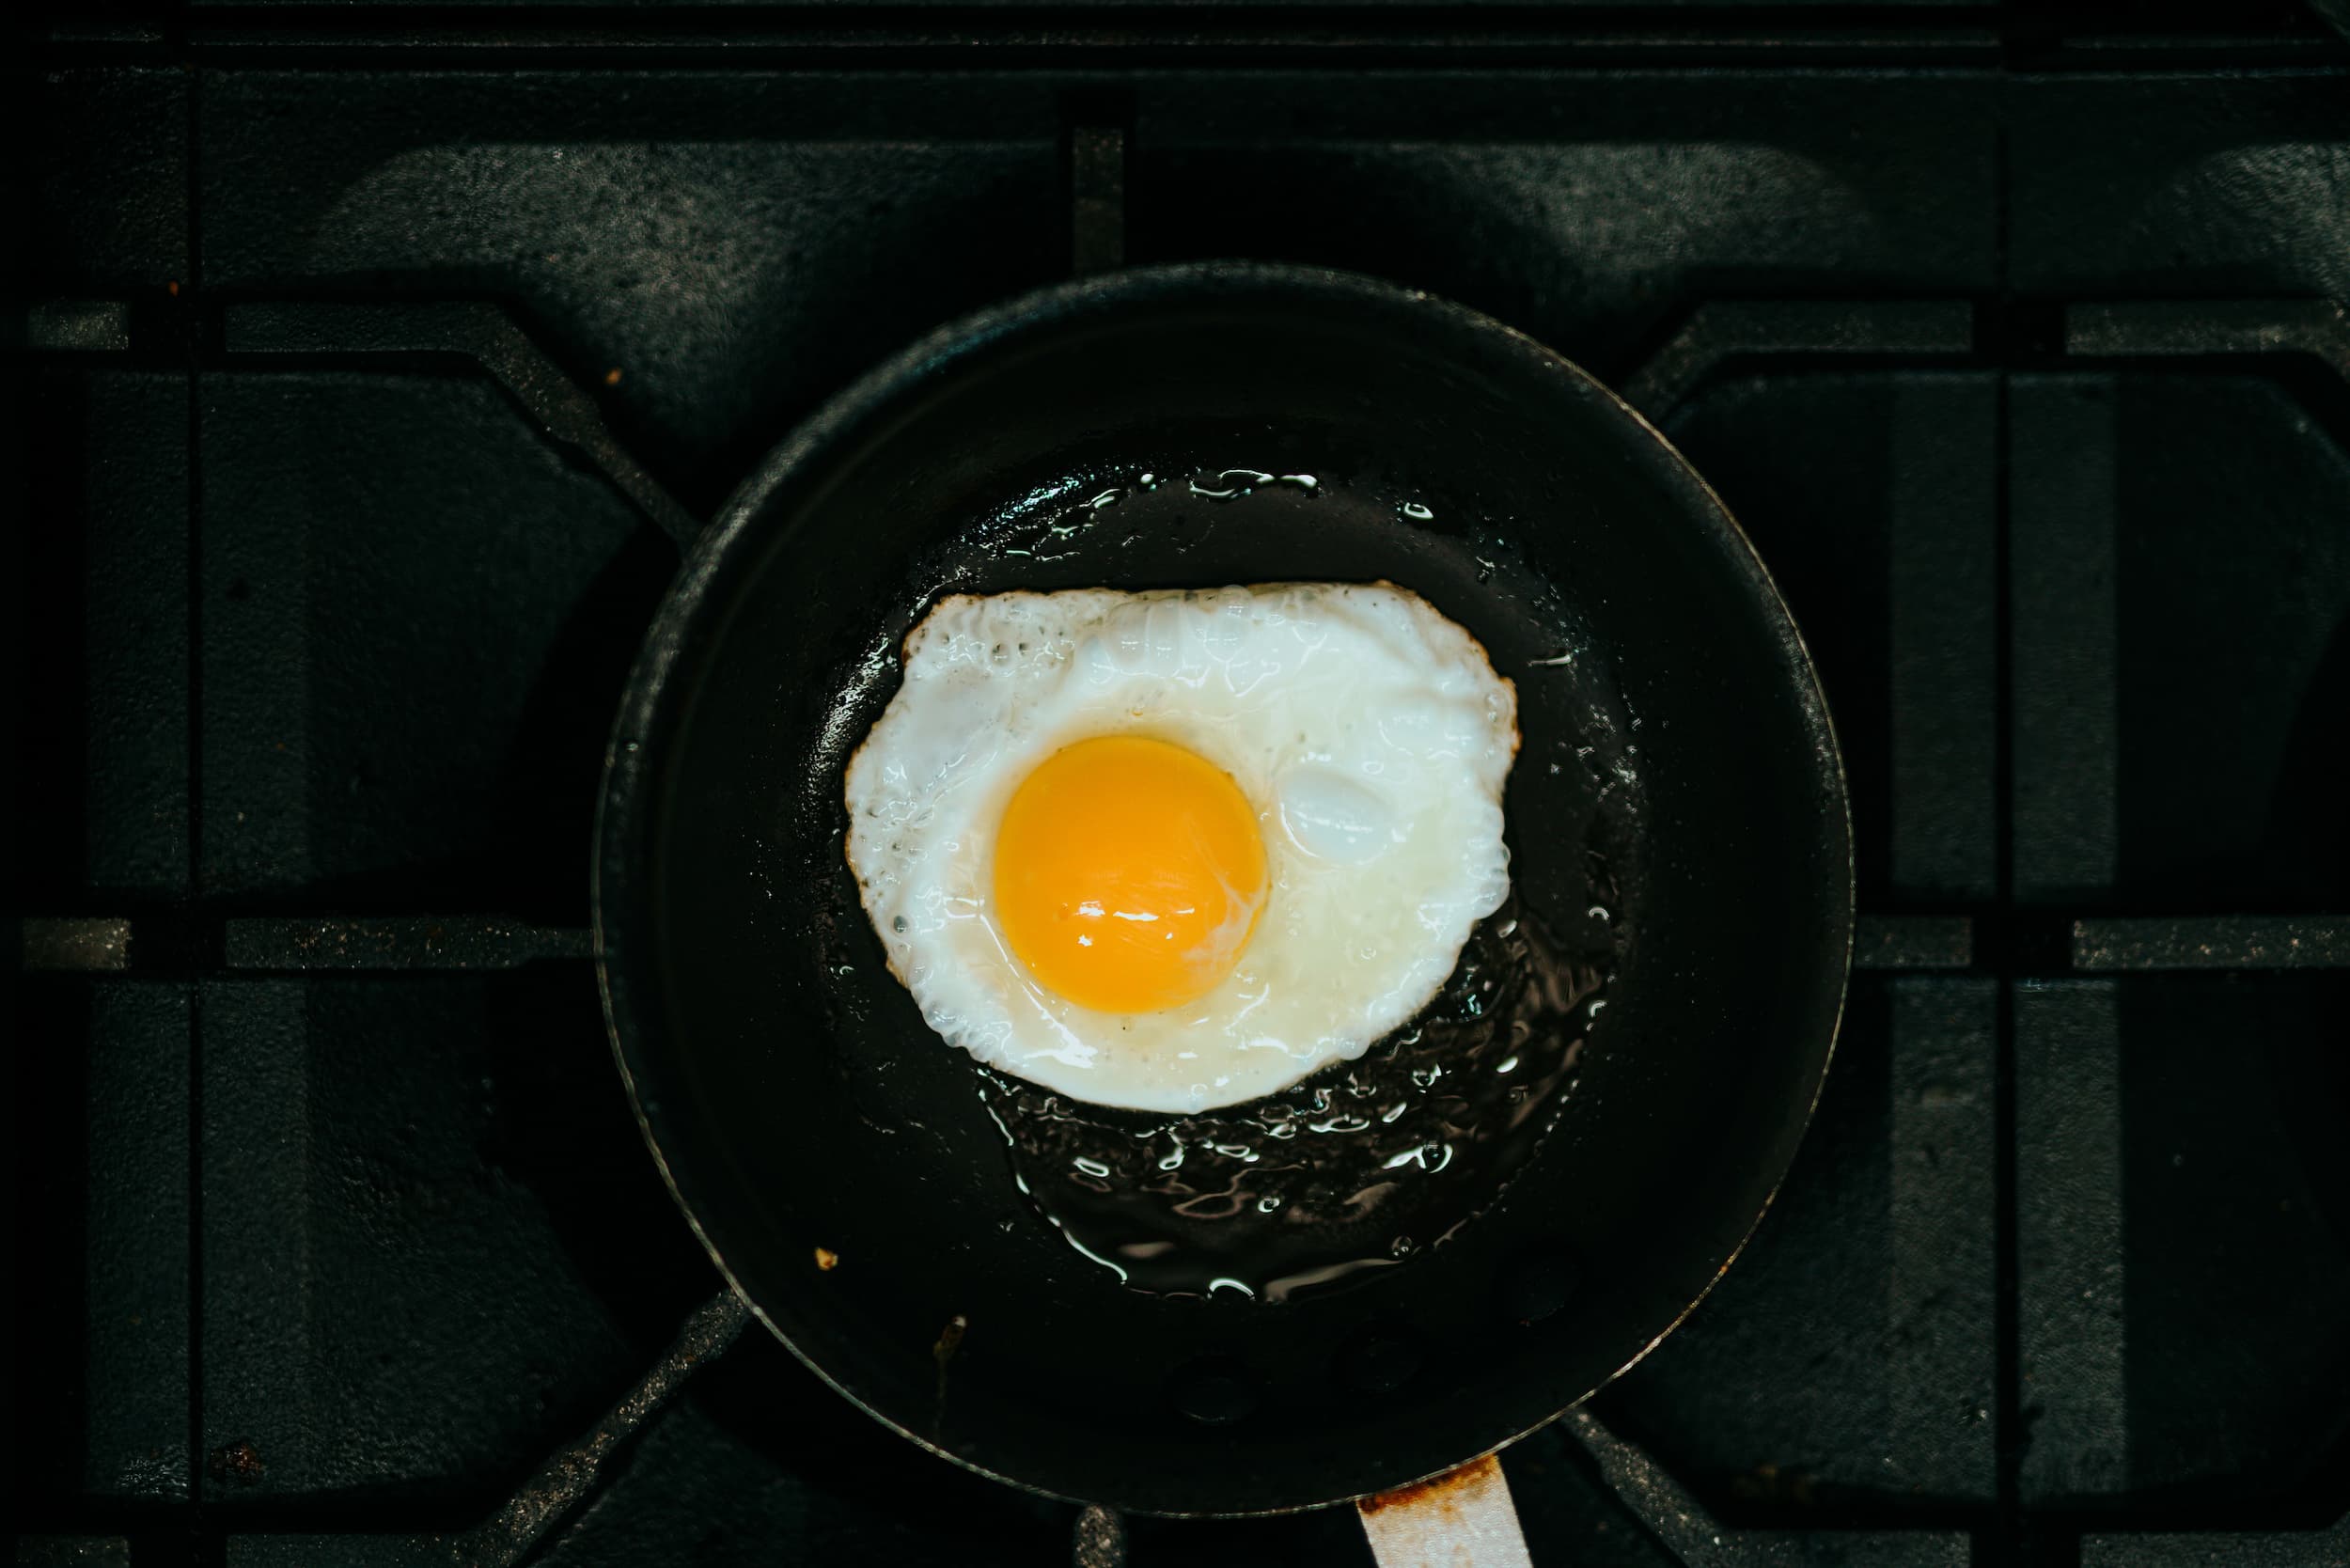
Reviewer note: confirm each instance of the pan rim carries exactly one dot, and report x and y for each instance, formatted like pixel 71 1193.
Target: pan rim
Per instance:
pixel 625 796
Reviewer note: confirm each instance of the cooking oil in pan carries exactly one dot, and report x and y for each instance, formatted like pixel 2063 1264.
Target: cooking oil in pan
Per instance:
pixel 1359 1168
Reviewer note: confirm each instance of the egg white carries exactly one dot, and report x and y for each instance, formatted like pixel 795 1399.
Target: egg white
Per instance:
pixel 1370 733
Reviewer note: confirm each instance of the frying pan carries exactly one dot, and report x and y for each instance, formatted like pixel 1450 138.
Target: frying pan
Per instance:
pixel 838 1159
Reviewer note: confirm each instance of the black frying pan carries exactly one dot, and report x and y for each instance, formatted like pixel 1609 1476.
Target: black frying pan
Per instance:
pixel 1678 764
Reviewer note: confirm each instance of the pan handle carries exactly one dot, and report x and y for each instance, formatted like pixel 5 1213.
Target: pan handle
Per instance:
pixel 1462 1519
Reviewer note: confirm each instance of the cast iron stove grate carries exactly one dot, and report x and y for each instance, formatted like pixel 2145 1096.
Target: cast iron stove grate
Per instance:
pixel 377 362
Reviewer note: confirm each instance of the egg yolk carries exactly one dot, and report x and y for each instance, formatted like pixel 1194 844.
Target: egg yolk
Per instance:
pixel 1129 874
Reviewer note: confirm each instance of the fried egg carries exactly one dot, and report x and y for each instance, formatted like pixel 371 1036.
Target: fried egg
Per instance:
pixel 1172 851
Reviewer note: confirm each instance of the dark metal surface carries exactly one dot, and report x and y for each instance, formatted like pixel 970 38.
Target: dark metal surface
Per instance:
pixel 2242 942
pixel 741 211
pixel 1723 334
pixel 798 1105
pixel 1683 1526
pixel 1097 198
pixel 87 946
pixel 1915 942
pixel 416 943
pixel 1099 1539
pixel 572 1473
pixel 481 335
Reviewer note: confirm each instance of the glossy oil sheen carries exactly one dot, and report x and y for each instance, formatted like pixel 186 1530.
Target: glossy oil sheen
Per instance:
pixel 1671 727
pixel 1363 1167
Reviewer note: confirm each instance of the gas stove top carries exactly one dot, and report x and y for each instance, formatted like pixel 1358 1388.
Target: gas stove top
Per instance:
pixel 380 357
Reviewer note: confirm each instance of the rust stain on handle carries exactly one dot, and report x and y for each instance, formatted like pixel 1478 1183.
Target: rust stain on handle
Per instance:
pixel 1461 1519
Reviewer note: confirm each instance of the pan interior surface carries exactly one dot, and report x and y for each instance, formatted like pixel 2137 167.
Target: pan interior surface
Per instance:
pixel 1673 735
